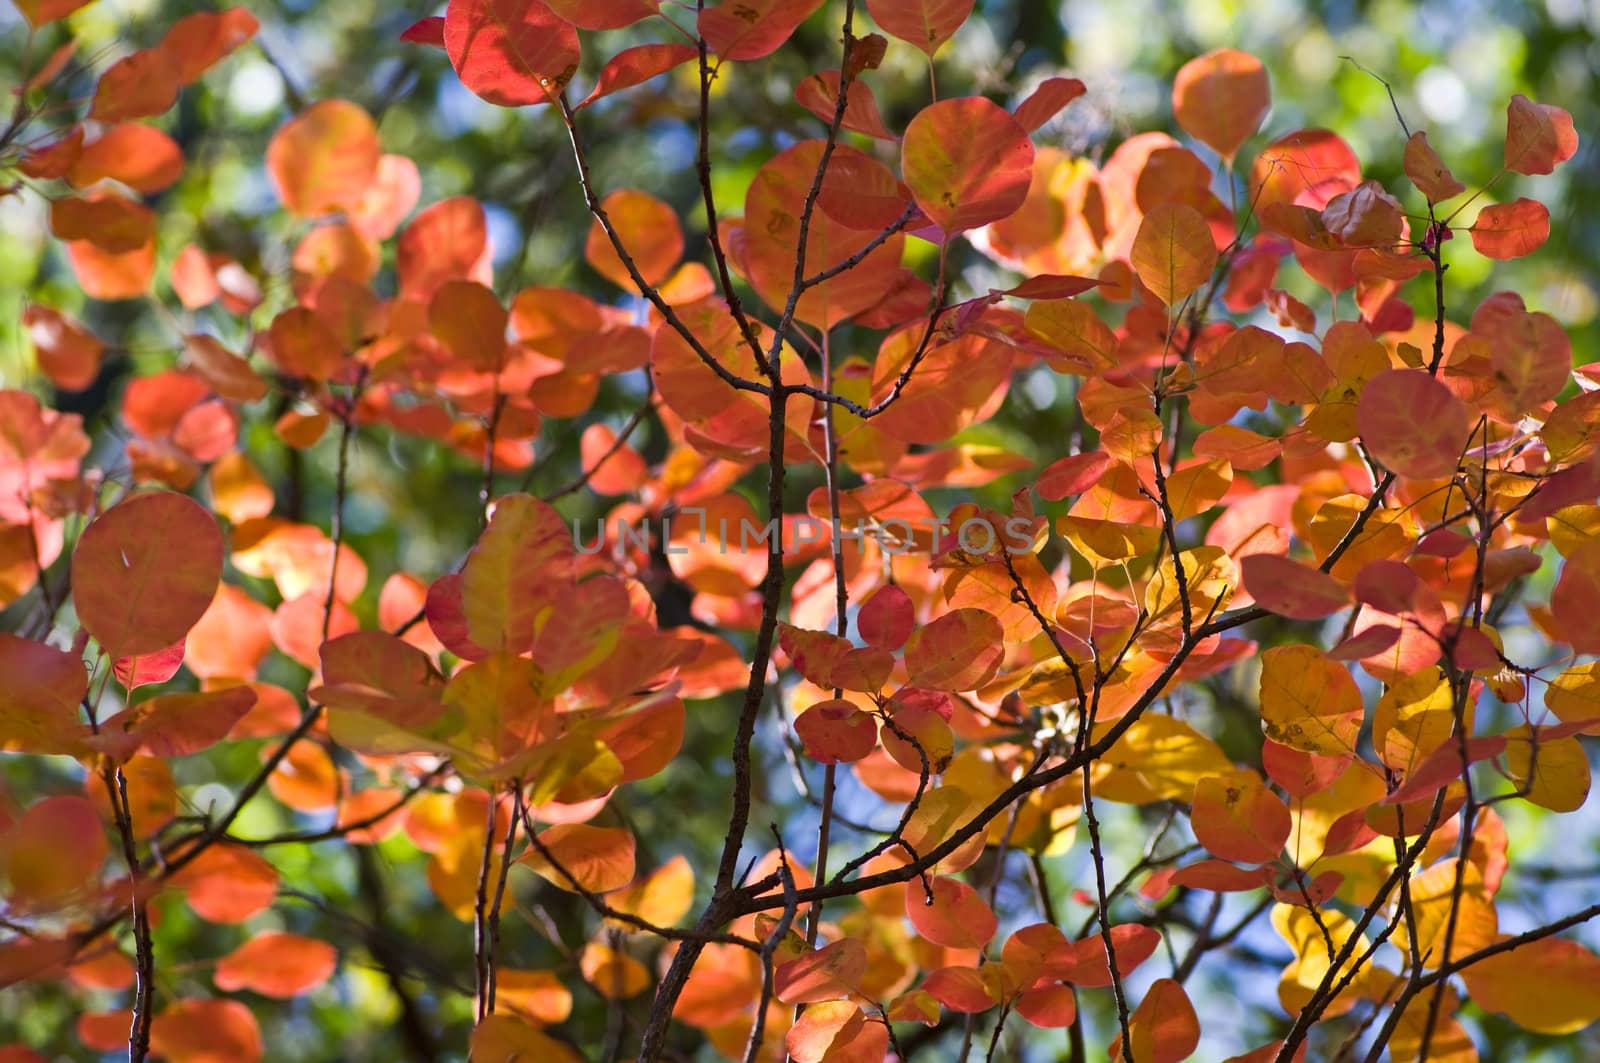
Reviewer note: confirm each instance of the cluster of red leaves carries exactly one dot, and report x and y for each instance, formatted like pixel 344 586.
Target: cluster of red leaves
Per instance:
pixel 1419 472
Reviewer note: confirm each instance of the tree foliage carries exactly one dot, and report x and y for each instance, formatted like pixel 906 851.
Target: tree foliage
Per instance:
pixel 929 592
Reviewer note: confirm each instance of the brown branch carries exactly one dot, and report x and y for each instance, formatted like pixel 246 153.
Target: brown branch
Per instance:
pixel 616 446
pixel 1118 993
pixel 493 919
pixel 144 950
pixel 647 290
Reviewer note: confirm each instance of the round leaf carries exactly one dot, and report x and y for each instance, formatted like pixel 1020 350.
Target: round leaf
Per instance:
pixel 145 572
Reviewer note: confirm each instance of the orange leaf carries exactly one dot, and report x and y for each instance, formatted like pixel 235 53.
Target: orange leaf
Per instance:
pixel 136 86
pixel 468 319
pixel 1511 230
pixel 196 42
pixel 206 1031
pixel 53 851
pixel 277 965
pixel 829 973
pixel 446 241
pixel 819 94
pixel 1164 1027
pixel 1551 986
pixel 506 1037
pixel 1428 172
pixel 539 995
pixel 324 158
pixel 303 346
pixel 615 975
pixel 1220 99
pixel 600 859
pixel 649 232
pixel 109 222
pixel 961 650
pixel 1308 701
pixel 926 24
pixel 1047 101
pixel 1174 252
pixel 1572 601
pixel 750 29
pixel 42 12
pixel 1133 943
pixel 140 156
pixel 662 898
pixel 957 917
pixel 513 577
pixel 1238 818
pixel 836 1031
pixel 68 353
pixel 228 884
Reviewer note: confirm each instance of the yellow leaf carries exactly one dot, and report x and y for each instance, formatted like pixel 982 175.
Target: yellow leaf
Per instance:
pixel 1309 702
pixel 1554 772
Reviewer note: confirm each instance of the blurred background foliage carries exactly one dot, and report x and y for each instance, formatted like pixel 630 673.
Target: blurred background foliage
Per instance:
pixel 1453 64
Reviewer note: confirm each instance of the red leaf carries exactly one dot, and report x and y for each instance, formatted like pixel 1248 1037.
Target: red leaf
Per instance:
pixel 1047 101
pixel 1291 589
pixel 1133 943
pixel 143 573
pixel 429 31
pixel 1539 136
pixel 511 52
pixel 836 730
pixel 1072 475
pixel 603 14
pixel 149 668
pixel 887 618
pixel 968 163
pixel 1412 423
pixel 1443 765
pixel 634 66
